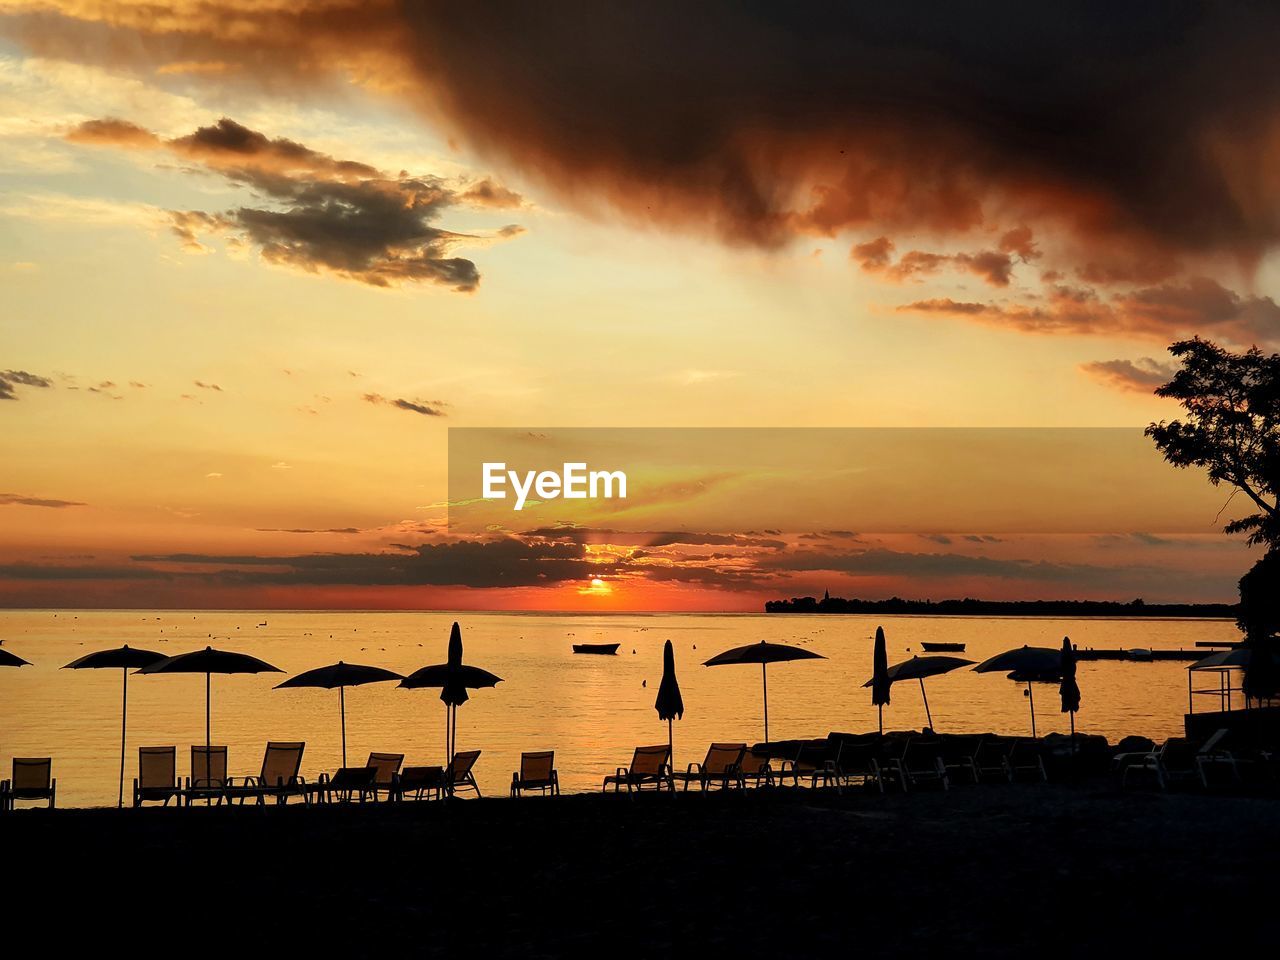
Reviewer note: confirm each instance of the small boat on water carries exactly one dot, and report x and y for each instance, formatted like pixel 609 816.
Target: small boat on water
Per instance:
pixel 939 647
pixel 605 649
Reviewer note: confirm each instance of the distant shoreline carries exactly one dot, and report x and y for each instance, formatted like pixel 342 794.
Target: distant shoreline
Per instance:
pixel 1057 609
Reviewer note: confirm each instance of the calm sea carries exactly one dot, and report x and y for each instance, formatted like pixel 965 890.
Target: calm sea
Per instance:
pixel 591 710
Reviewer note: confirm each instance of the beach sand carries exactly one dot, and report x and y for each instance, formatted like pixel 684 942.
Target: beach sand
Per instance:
pixel 994 870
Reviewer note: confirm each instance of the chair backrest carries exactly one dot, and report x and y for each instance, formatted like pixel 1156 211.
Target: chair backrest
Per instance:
pixel 922 750
pixel 1214 741
pixel 462 763
pixel 537 766
pixel 208 766
pixel 753 762
pixel 650 761
pixel 32 773
pixel 993 750
pixel 387 766
pixel 281 762
pixel 157 767
pixel 723 757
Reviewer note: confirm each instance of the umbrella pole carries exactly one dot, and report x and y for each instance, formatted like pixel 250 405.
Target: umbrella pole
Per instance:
pixel 671 749
pixel 342 707
pixel 1031 698
pixel 880 712
pixel 124 719
pixel 208 739
pixel 927 715
pixel 764 680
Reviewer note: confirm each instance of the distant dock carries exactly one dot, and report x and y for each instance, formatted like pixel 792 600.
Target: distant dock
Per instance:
pixel 1140 656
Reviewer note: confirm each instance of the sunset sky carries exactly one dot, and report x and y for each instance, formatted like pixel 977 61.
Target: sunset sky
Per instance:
pixel 258 257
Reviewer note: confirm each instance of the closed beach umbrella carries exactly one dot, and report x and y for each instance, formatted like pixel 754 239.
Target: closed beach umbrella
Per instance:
pixel 210 661
pixel 124 659
pixel 1026 664
pixel 918 668
pixel 340 675
pixel 669 703
pixel 880 682
pixel 453 678
pixel 763 653
pixel 1068 689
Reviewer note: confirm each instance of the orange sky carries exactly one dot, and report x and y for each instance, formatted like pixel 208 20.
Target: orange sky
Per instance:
pixel 256 265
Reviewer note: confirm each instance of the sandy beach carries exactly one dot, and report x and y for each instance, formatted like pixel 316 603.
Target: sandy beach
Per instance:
pixel 1005 870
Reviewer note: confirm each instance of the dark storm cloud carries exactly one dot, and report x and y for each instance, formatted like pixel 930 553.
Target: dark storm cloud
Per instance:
pixel 1147 126
pixel 325 214
pixel 9 379
pixel 1140 376
pixel 14 499
pixel 36 571
pixel 498 563
pixel 1197 305
pixel 624 538
pixel 428 408
pixel 881 562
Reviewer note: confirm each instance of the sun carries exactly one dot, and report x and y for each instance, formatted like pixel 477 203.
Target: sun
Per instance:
pixel 597 588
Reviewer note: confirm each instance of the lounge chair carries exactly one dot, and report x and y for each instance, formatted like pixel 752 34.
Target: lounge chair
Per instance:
pixel 755 769
pixel 32 780
pixel 1024 757
pixel 459 775
pixel 157 777
pixel 537 772
pixel 1222 751
pixel 991 758
pixel 922 762
pixel 891 752
pixel 208 780
pixel 386 773
pixel 443 781
pixel 814 760
pixel 380 774
pixel 278 779
pixel 347 784
pixel 858 763
pixel 720 767
pixel 416 782
pixel 4 795
pixel 650 767
pixel 959 755
pixel 1178 760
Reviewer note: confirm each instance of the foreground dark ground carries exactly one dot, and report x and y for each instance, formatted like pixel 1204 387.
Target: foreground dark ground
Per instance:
pixel 993 870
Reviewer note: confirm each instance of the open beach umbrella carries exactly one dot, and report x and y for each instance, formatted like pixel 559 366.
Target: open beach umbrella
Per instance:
pixel 669 703
pixel 880 682
pixel 763 653
pixel 210 661
pixel 1026 664
pixel 124 659
pixel 340 675
pixel 453 678
pixel 8 659
pixel 917 668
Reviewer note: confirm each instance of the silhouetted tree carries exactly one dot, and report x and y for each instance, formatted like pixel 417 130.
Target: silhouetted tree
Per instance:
pixel 1232 429
pixel 1260 620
